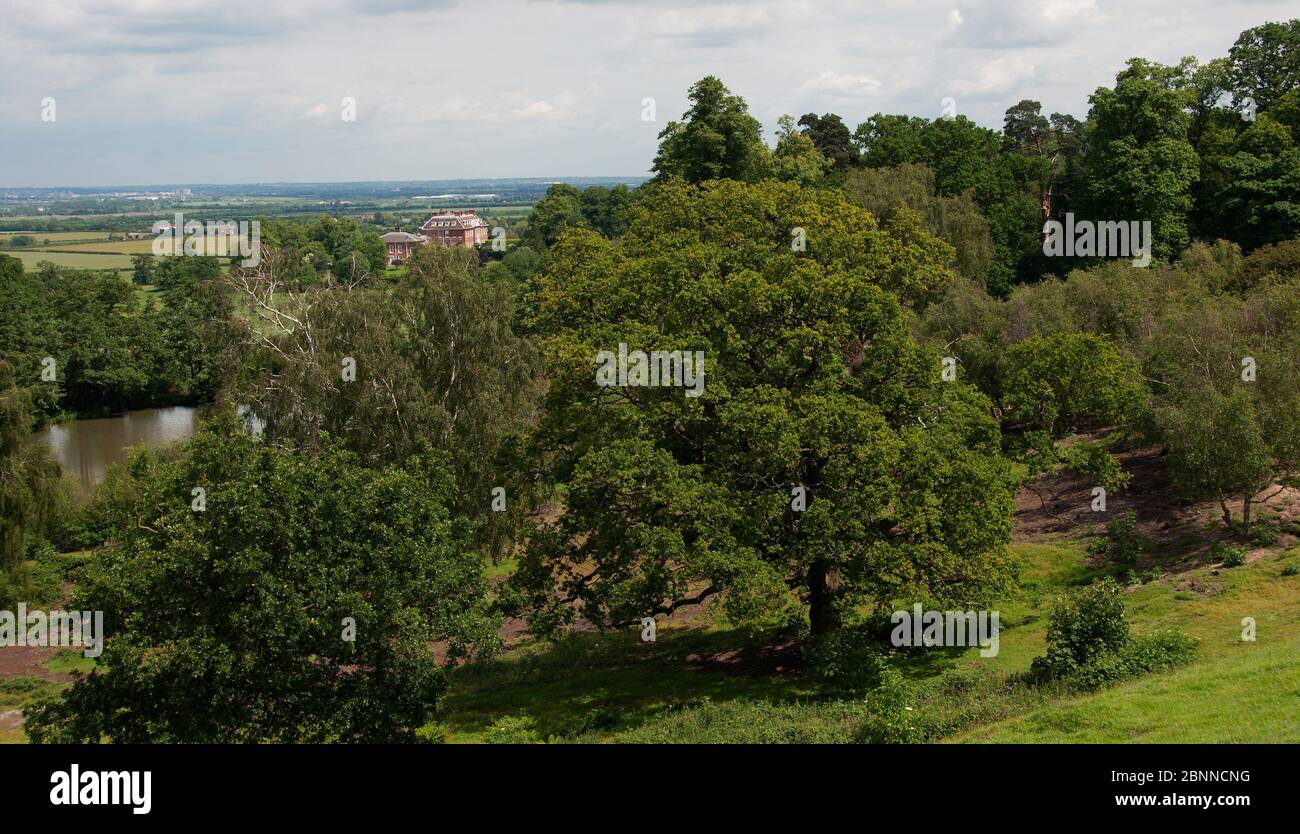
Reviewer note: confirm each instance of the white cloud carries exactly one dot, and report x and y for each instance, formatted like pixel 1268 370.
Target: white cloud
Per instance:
pixel 997 77
pixel 833 84
pixel 999 24
pixel 560 107
pixel 710 27
pixel 246 90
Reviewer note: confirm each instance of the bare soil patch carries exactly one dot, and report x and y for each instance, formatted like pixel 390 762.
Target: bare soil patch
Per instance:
pixel 29 662
pixel 1180 534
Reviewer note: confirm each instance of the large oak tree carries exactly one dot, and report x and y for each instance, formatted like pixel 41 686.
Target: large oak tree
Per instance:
pixel 812 381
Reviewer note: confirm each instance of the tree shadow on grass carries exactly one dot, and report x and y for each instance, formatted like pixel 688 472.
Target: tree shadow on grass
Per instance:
pixel 606 683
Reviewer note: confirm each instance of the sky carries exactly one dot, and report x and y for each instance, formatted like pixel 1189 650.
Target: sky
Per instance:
pixel 240 91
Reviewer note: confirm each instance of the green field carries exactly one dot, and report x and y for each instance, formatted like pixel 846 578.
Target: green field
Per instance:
pixel 76 260
pixel 55 237
pixel 127 247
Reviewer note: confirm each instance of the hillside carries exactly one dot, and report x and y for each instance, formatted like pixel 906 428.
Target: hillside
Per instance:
pixel 704 682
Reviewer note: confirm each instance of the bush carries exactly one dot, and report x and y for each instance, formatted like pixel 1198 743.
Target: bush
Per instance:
pixel 45 580
pixel 50 570
pixel 1121 543
pixel 1266 534
pixel 1291 570
pixel 21 686
pixel 513 729
pixel 1088 643
pixel 1102 670
pixel 1231 557
pixel 1083 625
pixel 850 660
pixel 1159 651
pixel 433 733
pixel 1151 653
pixel 891 718
pixel 13 585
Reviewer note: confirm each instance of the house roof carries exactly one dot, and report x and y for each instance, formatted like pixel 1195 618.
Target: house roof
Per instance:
pixel 454 220
pixel 403 237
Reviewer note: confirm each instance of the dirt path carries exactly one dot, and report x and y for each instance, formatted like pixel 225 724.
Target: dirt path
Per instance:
pixel 11 720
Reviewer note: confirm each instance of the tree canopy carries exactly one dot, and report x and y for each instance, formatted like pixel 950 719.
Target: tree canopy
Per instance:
pixel 296 604
pixel 716 138
pixel 812 382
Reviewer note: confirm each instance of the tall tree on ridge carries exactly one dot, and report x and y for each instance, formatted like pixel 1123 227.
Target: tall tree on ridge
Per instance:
pixel 716 139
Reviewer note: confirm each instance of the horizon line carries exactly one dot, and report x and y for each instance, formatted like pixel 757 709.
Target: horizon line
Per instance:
pixel 273 183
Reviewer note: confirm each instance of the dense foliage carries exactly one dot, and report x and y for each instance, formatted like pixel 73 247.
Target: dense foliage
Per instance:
pixel 105 349
pixel 811 381
pixel 227 618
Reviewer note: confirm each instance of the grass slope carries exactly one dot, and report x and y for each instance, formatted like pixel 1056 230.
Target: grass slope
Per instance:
pixel 1249 695
pixel 594 688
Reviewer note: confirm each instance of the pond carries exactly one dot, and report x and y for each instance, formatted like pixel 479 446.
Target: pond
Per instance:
pixel 87 447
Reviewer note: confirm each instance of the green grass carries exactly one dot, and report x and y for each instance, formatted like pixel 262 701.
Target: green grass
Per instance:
pixel 31 258
pixel 16 693
pixel 595 688
pixel 594 685
pixel 69 661
pixel 1236 691
pixel 1249 695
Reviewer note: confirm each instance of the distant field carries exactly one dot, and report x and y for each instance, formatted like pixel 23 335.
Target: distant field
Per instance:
pixel 84 250
pixel 129 247
pixel 56 237
pixel 31 258
pixel 15 217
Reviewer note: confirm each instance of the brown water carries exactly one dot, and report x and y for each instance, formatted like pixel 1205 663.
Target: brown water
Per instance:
pixel 87 447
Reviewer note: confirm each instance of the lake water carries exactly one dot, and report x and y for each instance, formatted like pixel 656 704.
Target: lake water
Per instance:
pixel 87 447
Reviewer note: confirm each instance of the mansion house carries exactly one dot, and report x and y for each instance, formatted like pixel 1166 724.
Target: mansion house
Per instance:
pixel 446 228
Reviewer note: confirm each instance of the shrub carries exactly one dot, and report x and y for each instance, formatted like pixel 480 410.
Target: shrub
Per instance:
pixel 1151 653
pixel 20 686
pixel 13 585
pixel 1122 543
pixel 1232 557
pixel 1265 535
pixel 433 733
pixel 1102 670
pixel 891 719
pixel 1159 651
pixel 1291 570
pixel 850 659
pixel 1088 643
pixel 1083 625
pixel 44 579
pixel 513 729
